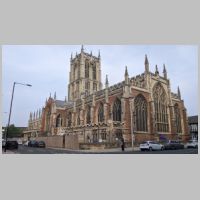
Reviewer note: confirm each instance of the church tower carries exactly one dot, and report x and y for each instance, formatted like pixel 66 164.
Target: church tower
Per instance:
pixel 84 75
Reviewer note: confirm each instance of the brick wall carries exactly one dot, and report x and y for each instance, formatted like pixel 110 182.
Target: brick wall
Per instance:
pixel 71 142
pixel 52 141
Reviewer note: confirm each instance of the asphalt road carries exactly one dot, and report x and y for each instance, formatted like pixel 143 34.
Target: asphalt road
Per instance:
pixel 34 150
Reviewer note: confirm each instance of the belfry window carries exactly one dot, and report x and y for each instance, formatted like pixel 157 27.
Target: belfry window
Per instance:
pixel 140 113
pixel 100 113
pixel 94 86
pixel 74 72
pixel 160 105
pixel 78 118
pixel 117 110
pixel 78 68
pixel 177 118
pixel 86 69
pixel 94 71
pixel 58 121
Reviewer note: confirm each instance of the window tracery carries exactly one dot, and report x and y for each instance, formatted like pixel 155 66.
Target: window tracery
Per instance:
pixel 141 113
pixel 160 105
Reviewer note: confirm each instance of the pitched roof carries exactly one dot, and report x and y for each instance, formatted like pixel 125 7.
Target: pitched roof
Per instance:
pixel 60 103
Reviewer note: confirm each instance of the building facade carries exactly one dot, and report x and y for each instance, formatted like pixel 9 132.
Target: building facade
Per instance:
pixel 193 126
pixel 141 108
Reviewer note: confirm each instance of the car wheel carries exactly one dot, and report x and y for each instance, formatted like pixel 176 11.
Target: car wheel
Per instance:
pixel 150 149
pixel 162 148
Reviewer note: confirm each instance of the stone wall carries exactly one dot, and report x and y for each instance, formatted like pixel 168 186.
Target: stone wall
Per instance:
pixel 71 142
pixel 52 141
pixel 67 141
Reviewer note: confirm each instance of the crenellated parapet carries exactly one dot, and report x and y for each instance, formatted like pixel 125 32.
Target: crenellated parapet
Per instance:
pixel 174 95
pixel 139 81
pixel 116 86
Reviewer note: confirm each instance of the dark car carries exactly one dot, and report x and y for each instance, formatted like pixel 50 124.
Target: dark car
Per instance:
pixel 3 143
pixel 33 143
pixel 173 144
pixel 11 144
pixel 41 144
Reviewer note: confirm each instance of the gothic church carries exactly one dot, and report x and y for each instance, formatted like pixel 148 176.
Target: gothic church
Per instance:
pixel 138 108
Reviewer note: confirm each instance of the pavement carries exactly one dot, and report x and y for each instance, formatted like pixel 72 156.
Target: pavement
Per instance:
pixel 113 150
pixel 8 152
pixel 32 150
pixel 103 150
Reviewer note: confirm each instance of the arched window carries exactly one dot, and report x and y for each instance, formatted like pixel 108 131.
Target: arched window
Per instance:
pixel 94 86
pixel 100 113
pixel 77 90
pixel 94 71
pixel 88 116
pixel 117 110
pixel 86 69
pixel 160 104
pixel 69 119
pixel 141 113
pixel 78 118
pixel 177 118
pixel 58 121
pixel 78 68
pixel 74 72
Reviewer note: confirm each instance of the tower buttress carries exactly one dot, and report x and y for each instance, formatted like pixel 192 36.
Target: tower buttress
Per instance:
pixel 164 71
pixel 106 90
pixel 126 76
pixel 179 93
pixel 156 71
pixel 146 63
pixel 106 83
pixel 99 56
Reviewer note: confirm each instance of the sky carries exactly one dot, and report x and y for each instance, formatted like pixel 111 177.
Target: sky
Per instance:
pixel 46 68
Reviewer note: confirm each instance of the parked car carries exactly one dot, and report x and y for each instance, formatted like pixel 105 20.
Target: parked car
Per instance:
pixel 26 143
pixel 19 141
pixel 41 144
pixel 151 145
pixel 192 144
pixel 11 144
pixel 3 143
pixel 33 143
pixel 173 144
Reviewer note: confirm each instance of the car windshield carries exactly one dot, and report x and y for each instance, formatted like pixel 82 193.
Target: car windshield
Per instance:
pixel 144 143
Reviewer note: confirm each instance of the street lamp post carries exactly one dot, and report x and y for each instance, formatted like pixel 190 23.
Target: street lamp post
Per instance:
pixel 134 128
pixel 13 90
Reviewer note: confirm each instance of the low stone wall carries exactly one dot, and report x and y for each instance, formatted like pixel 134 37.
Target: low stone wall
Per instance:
pixel 71 142
pixel 95 146
pixel 52 141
